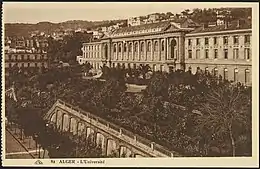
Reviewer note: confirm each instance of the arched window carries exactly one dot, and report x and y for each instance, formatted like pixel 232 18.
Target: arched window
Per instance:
pixel 106 51
pixel 225 74
pixel 149 47
pixel 114 47
pixel 247 76
pixel 125 47
pixel 142 46
pixel 206 70
pixel 235 75
pixel 130 47
pixel 156 46
pixel 173 44
pixel 119 48
pixel 215 71
pixel 162 45
pixel 136 47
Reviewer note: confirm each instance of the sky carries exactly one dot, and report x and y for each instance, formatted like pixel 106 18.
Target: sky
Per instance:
pixel 28 12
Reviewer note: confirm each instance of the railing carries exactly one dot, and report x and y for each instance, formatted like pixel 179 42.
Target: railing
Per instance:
pixel 151 146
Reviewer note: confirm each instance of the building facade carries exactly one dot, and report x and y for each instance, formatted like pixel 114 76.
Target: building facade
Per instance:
pixel 225 51
pixel 25 61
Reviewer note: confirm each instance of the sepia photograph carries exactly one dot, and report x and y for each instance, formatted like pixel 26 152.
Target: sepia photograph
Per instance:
pixel 85 83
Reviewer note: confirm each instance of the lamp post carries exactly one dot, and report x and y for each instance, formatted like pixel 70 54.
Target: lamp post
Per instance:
pixel 36 136
pixel 47 125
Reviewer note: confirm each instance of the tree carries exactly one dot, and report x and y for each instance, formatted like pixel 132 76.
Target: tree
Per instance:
pixel 144 69
pixel 154 109
pixel 86 68
pixel 158 85
pixel 239 13
pixel 186 13
pixel 226 115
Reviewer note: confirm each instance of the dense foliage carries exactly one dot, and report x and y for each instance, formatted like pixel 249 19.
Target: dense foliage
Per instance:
pixel 195 115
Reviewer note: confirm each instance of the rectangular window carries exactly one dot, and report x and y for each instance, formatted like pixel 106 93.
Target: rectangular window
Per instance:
pixel 235 40
pixel 161 68
pixel 130 48
pixel 225 39
pixel 246 76
pixel 197 54
pixel 216 53
pixel 189 42
pixel 162 46
pixel 235 75
pixel 190 54
pixel 197 41
pixel 206 53
pixel 247 53
pixel 154 68
pixel 235 54
pixel 206 41
pixel 225 54
pixel 247 39
pixel 225 74
pixel 215 72
pixel 215 40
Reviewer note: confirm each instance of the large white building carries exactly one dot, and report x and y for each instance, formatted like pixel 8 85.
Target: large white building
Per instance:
pixel 223 50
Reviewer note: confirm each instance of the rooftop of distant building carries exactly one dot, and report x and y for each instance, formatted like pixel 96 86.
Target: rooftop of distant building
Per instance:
pixel 234 25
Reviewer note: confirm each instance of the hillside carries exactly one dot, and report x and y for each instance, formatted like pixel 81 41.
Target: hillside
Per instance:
pixel 198 15
pixel 22 29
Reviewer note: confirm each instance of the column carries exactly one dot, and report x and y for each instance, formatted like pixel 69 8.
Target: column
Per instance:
pixel 116 51
pixel 178 45
pixel 104 151
pixel 109 50
pixel 152 50
pixel 181 52
pixel 127 51
pixel 139 50
pixel 102 51
pixel 159 49
pixel 241 42
pixel 133 48
pixel 230 50
pixel 221 50
pixel 166 48
pixel 145 50
pixel 122 50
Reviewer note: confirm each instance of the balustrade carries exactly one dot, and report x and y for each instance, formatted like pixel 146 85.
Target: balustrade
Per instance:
pixel 138 140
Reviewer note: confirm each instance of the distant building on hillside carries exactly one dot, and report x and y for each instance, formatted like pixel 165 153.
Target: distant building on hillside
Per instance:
pixel 220 21
pixel 134 21
pixel 153 17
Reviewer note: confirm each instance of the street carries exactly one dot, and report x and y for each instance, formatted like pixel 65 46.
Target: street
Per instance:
pixel 14 150
pixel 17 149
